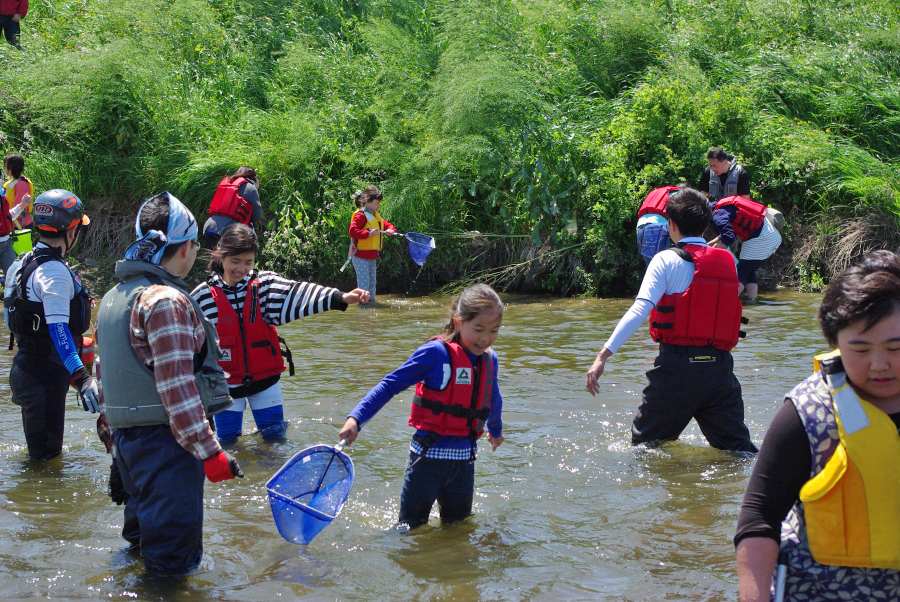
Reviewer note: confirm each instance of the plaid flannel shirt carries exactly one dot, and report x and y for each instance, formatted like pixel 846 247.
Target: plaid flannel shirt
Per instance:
pixel 166 333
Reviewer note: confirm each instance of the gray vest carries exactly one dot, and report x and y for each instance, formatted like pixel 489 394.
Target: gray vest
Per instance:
pixel 129 387
pixel 717 190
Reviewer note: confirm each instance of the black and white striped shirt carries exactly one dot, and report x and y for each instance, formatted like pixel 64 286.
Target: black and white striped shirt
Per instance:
pixel 281 300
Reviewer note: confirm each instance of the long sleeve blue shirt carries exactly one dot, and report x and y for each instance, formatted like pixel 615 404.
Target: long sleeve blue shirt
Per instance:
pixel 429 364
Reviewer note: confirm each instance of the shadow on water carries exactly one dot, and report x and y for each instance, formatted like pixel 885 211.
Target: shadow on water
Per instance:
pixel 565 509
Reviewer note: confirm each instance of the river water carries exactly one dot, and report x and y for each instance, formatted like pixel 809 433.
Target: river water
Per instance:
pixel 565 509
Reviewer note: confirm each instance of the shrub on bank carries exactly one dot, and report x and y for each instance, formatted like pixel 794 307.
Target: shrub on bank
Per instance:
pixel 544 121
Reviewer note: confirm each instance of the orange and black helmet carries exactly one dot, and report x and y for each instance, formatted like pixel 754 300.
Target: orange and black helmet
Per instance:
pixel 58 210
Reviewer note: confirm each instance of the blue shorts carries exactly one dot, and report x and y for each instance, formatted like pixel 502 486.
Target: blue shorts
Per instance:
pixel 746 270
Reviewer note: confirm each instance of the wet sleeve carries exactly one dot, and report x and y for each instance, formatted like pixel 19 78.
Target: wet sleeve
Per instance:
pixel 782 468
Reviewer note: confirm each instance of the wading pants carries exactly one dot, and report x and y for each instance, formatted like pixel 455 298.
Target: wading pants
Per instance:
pixel 692 382
pixel 164 515
pixel 39 387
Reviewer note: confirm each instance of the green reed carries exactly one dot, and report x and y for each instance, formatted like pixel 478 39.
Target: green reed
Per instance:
pixel 532 118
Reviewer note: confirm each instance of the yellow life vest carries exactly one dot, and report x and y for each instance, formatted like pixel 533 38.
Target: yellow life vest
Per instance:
pixel 852 507
pixel 372 243
pixel 9 191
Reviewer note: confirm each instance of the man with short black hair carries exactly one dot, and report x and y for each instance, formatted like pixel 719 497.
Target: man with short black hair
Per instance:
pixel 160 382
pixel 724 177
pixel 690 293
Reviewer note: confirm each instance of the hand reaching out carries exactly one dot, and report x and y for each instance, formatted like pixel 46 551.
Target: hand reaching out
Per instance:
pixel 357 295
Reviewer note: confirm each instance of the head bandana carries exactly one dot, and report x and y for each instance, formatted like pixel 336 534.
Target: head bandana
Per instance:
pixel 151 245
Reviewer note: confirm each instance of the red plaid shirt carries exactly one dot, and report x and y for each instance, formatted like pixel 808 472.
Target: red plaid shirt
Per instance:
pixel 166 333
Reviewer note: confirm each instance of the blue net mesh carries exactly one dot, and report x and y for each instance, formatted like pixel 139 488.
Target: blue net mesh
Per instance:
pixel 420 246
pixel 308 491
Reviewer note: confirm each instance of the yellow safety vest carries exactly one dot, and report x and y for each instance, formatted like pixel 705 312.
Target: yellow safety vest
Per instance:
pixel 852 507
pixel 372 243
pixel 9 191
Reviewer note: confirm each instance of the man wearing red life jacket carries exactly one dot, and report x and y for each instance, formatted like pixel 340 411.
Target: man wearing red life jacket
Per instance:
pixel 690 293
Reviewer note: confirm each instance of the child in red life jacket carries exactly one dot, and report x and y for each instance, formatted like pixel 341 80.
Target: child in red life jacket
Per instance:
pixel 367 230
pixel 246 306
pixel 455 374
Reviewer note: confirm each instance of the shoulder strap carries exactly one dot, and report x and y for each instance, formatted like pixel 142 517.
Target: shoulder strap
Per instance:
pixel 682 252
pixel 29 265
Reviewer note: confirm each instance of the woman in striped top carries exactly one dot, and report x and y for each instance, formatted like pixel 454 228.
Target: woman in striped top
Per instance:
pixel 246 306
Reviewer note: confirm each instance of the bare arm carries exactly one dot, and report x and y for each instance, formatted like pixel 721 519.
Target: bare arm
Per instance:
pixel 756 559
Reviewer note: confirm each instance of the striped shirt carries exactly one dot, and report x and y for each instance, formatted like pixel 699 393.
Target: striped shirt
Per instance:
pixel 165 334
pixel 281 300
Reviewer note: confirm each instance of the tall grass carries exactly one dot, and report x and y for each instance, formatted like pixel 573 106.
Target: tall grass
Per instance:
pixel 538 119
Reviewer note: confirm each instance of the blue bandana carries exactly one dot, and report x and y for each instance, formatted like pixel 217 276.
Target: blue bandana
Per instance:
pixel 151 245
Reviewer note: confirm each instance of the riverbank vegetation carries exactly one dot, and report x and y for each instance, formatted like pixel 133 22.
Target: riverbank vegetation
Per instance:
pixel 522 134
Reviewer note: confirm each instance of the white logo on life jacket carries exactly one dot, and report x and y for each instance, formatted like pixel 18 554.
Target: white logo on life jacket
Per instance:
pixel 226 355
pixel 464 376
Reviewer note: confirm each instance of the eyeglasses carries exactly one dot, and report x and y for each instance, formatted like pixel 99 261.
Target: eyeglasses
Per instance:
pixel 196 245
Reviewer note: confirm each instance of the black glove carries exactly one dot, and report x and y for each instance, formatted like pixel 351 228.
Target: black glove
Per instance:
pixel 116 488
pixel 234 466
pixel 87 387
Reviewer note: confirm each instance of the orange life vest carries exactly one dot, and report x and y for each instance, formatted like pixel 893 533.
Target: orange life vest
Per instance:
pixel 749 217
pixel 656 201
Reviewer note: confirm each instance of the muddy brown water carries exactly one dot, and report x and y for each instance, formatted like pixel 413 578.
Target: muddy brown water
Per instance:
pixel 565 509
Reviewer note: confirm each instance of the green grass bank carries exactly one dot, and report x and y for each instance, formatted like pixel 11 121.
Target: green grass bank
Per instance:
pixel 522 134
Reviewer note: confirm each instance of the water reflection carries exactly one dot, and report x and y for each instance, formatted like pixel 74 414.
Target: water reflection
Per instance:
pixel 566 509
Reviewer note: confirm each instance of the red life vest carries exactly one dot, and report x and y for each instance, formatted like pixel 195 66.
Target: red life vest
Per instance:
pixel 6 224
pixel 461 408
pixel 709 311
pixel 251 345
pixel 656 201
pixel 229 203
pixel 749 217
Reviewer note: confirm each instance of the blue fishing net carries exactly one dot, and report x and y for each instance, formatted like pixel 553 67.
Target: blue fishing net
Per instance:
pixel 307 493
pixel 420 246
